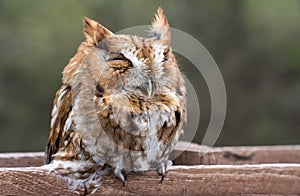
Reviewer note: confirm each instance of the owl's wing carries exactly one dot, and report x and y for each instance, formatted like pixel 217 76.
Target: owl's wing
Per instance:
pixel 61 124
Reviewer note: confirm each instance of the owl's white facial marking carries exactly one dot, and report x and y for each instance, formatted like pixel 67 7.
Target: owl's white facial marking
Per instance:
pixel 159 53
pixel 137 63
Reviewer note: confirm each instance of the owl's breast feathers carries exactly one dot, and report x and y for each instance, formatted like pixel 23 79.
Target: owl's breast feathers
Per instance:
pixel 130 120
pixel 127 120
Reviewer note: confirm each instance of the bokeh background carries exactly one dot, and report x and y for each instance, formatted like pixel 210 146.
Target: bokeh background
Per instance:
pixel 256 44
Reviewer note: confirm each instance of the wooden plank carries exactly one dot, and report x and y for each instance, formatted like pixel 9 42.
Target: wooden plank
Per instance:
pixel 190 154
pixel 22 159
pixel 196 154
pixel 278 179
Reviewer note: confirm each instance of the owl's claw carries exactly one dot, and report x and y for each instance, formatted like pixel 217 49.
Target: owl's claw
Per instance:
pixel 162 178
pixel 121 174
pixel 162 167
pixel 125 178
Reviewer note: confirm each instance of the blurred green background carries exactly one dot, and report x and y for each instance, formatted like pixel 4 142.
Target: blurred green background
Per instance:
pixel 256 44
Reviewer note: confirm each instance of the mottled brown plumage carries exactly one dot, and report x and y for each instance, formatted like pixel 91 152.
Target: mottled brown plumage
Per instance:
pixel 122 103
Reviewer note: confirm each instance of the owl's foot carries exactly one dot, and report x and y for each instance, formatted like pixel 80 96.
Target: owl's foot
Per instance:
pixel 162 167
pixel 121 174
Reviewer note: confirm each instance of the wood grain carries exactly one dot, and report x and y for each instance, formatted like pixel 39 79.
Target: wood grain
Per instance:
pixel 280 179
pixel 190 154
pixel 195 154
pixel 266 170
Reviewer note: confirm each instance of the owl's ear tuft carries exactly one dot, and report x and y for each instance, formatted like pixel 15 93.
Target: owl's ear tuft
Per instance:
pixel 93 31
pixel 160 27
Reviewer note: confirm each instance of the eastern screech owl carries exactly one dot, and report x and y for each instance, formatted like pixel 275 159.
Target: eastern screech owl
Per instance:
pixel 122 104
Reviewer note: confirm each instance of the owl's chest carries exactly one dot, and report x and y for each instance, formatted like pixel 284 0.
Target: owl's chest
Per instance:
pixel 133 140
pixel 132 121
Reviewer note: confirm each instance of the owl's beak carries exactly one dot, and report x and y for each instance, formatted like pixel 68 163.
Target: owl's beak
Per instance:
pixel 147 88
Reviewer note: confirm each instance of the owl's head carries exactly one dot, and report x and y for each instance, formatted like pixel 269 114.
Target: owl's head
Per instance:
pixel 127 64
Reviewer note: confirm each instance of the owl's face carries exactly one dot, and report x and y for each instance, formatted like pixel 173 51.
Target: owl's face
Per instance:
pixel 131 64
pixel 127 64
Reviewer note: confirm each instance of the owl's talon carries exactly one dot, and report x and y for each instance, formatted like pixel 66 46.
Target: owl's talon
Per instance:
pixel 125 176
pixel 162 167
pixel 119 174
pixel 162 178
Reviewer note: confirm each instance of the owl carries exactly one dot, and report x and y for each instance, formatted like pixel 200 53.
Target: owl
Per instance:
pixel 121 105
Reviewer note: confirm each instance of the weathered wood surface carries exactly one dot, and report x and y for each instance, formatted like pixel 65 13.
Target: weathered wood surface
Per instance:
pixel 224 171
pixel 25 159
pixel 237 155
pixel 277 179
pixel 190 154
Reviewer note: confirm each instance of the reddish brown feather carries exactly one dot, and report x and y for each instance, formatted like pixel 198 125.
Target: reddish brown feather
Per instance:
pixel 93 31
pixel 55 140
